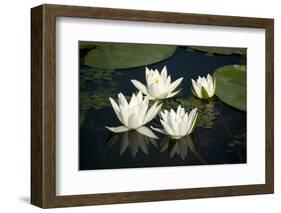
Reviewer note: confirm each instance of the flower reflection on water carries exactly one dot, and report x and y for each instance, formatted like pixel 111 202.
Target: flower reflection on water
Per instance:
pixel 181 147
pixel 133 141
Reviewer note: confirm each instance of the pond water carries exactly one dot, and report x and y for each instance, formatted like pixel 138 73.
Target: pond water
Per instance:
pixel 219 137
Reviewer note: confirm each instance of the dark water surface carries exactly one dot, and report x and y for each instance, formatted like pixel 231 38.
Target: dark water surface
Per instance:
pixel 223 143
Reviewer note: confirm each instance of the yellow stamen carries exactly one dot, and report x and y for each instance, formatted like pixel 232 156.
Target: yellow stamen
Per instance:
pixel 156 80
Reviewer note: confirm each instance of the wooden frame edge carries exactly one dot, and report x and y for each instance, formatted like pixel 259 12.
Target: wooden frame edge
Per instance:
pixel 36 106
pixel 269 118
pixel 153 196
pixel 43 180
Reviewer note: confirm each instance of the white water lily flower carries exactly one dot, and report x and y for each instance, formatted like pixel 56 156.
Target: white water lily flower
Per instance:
pixel 135 114
pixel 177 124
pixel 159 85
pixel 204 88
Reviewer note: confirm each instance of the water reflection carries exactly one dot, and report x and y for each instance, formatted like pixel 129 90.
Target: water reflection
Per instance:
pixel 181 147
pixel 133 141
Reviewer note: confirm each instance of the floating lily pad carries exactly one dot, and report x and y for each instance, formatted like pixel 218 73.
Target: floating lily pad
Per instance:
pixel 96 74
pixel 220 50
pixel 86 45
pixel 98 100
pixel 123 56
pixel 231 85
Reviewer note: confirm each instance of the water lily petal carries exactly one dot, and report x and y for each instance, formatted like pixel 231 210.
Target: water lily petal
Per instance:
pixel 142 110
pixel 118 129
pixel 194 83
pixel 159 130
pixel 174 85
pixel 185 122
pixel 164 72
pixel 170 95
pixel 173 114
pixel 204 92
pixel 151 97
pixel 192 120
pixel 124 115
pixel 199 81
pixel 209 78
pixel 133 100
pixel 173 123
pixel 195 93
pixel 167 128
pixel 147 73
pixel 210 86
pixel 139 97
pixel 155 90
pixel 115 108
pixel 193 124
pixel 133 121
pixel 140 86
pixel 156 72
pixel 167 82
pixel 122 101
pixel 146 131
pixel 164 116
pixel 196 89
pixel 182 129
pixel 179 109
pixel 192 114
pixel 152 112
pixel 204 82
pixel 182 111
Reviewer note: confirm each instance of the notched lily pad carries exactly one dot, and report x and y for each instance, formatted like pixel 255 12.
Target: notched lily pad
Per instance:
pixel 231 85
pixel 123 56
pixel 86 45
pixel 220 50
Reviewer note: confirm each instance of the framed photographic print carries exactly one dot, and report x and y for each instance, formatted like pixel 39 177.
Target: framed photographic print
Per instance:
pixel 136 106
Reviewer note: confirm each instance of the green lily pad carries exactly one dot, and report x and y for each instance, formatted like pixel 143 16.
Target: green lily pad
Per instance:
pixel 92 74
pixel 123 56
pixel 221 50
pixel 86 45
pixel 231 85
